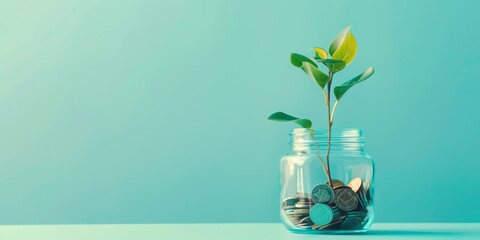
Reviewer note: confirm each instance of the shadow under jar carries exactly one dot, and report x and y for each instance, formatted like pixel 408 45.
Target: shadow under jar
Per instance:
pixel 309 202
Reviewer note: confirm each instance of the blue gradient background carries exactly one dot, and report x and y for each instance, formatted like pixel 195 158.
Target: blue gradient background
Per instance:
pixel 154 111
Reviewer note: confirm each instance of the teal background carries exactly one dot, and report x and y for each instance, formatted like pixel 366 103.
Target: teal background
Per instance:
pixel 154 111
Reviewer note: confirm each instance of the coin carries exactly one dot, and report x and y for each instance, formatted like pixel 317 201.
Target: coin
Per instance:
pixel 304 204
pixel 301 211
pixel 366 185
pixel 305 227
pixel 362 198
pixel 346 199
pixel 355 184
pixel 303 195
pixel 293 215
pixel 321 214
pixel 322 193
pixel 339 187
pixel 306 220
pixel 335 209
pixel 358 214
pixel 336 183
pixel 337 215
pixel 329 225
pixel 290 201
pixel 305 200
pixel 363 203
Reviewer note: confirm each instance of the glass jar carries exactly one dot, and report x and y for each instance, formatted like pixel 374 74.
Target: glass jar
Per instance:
pixel 310 203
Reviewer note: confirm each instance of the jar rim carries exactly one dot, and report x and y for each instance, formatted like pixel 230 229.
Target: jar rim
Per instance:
pixel 336 132
pixel 345 137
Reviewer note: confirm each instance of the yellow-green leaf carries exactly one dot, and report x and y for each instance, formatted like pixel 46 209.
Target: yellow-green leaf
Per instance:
pixel 338 40
pixel 347 49
pixel 320 53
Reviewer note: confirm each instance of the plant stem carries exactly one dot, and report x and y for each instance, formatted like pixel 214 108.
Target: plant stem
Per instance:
pixel 319 155
pixel 329 87
pixel 333 112
pixel 324 95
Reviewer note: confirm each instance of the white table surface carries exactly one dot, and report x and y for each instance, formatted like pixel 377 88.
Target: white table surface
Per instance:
pixel 274 231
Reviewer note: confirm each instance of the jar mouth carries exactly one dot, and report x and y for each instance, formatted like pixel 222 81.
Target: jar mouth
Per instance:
pixel 336 132
pixel 339 136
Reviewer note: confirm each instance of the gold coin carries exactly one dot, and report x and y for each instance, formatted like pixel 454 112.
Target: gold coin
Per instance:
pixel 355 184
pixel 336 183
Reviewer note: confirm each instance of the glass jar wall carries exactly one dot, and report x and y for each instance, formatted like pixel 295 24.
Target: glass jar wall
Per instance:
pixel 310 203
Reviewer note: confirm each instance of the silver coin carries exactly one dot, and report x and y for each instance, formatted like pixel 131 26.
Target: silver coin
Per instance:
pixel 304 224
pixel 289 207
pixel 302 200
pixel 304 195
pixel 304 227
pixel 346 199
pixel 306 220
pixel 301 211
pixel 304 204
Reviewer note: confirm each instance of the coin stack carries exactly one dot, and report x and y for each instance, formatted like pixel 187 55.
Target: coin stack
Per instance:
pixel 297 210
pixel 340 207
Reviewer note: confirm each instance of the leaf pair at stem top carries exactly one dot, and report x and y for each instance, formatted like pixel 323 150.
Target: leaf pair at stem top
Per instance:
pixel 342 51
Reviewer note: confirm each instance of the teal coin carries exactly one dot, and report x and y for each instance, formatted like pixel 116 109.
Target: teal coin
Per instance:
pixel 321 214
pixel 322 193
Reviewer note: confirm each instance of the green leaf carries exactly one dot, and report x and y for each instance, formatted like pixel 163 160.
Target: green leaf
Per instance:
pixel 283 117
pixel 314 73
pixel 347 49
pixel 342 89
pixel 338 40
pixel 310 68
pixel 334 65
pixel 298 60
pixel 320 53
